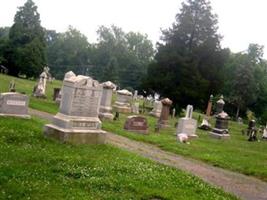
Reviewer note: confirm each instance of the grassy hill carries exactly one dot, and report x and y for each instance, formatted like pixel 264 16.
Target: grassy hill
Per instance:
pixel 26 86
pixel 236 154
pixel 33 167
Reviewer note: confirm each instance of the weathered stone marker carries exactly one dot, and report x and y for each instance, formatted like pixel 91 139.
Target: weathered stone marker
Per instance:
pixel 220 131
pixel 123 102
pixel 187 125
pixel 157 107
pixel 77 121
pixel 136 124
pixel 165 112
pixel 105 105
pixel 14 104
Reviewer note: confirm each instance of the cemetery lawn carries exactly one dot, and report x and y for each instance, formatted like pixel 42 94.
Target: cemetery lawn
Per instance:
pixel 236 154
pixel 26 86
pixel 33 167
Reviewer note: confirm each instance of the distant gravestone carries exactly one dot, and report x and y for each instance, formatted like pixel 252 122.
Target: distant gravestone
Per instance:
pixel 165 112
pixel 136 124
pixel 40 88
pixel 105 105
pixel 14 104
pixel 135 108
pixel 209 107
pixel 135 95
pixel 12 86
pixel 157 107
pixel 220 131
pixel 77 121
pixel 187 125
pixel 264 135
pixel 123 102
pixel 56 93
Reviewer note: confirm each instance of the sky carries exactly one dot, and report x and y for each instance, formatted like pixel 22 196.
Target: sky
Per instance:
pixel 240 21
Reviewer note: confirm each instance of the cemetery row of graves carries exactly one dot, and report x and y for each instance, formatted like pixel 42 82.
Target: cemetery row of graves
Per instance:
pixel 85 109
pixel 39 168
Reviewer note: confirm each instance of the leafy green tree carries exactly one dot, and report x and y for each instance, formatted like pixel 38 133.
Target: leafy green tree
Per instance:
pixel 3 44
pixel 27 42
pixel 189 64
pixel 67 51
pixel 132 52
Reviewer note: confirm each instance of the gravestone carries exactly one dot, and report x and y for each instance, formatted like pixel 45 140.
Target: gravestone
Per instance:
pixel 105 105
pixel 264 135
pixel 135 108
pixel 157 107
pixel 136 124
pixel 135 95
pixel 209 107
pixel 12 86
pixel 123 102
pixel 77 121
pixel 173 113
pixel 14 104
pixel 220 131
pixel 165 112
pixel 187 125
pixel 219 105
pixel 56 93
pixel 40 88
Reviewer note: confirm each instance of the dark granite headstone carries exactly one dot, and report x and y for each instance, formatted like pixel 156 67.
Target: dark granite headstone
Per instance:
pixel 136 124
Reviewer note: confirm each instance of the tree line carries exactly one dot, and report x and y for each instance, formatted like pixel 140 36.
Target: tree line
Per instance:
pixel 187 66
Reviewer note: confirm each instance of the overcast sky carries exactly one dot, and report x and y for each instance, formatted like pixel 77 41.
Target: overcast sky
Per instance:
pixel 240 21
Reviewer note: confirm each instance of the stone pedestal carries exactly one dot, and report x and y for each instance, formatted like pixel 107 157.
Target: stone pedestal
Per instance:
pixel 105 111
pixel 221 127
pixel 14 105
pixel 123 102
pixel 136 124
pixel 165 112
pixel 77 121
pixel 157 107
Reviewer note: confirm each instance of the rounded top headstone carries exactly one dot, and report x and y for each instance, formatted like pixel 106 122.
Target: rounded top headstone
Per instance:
pixel 125 92
pixel 108 85
pixel 166 101
pixel 221 101
pixel 69 74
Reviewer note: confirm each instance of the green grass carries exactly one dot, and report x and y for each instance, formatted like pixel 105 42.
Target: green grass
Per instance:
pixel 236 154
pixel 32 167
pixel 26 86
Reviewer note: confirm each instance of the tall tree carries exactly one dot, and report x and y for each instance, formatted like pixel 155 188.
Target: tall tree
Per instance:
pixel 188 65
pixel 67 51
pixel 128 53
pixel 27 42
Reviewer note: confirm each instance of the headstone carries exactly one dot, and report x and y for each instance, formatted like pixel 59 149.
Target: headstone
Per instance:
pixel 135 108
pixel 135 95
pixel 105 111
pixel 77 121
pixel 157 107
pixel 136 124
pixel 39 89
pixel 239 120
pixel 56 93
pixel 187 125
pixel 219 105
pixel 14 104
pixel 252 131
pixel 123 102
pixel 220 131
pixel 209 107
pixel 205 125
pixel 165 112
pixel 12 86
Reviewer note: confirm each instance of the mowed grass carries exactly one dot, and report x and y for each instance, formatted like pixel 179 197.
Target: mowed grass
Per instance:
pixel 33 167
pixel 26 86
pixel 236 154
